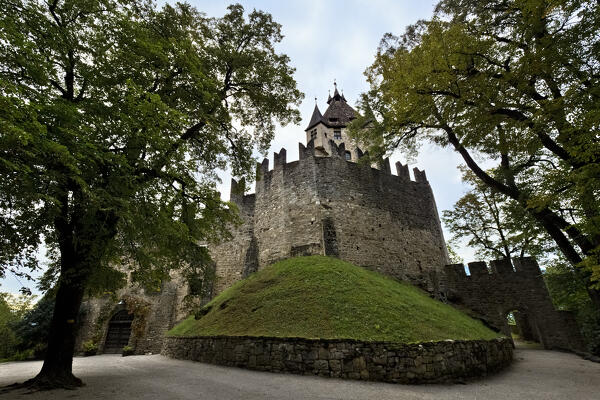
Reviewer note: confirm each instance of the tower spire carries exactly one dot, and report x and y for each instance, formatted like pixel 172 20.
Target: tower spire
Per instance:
pixel 316 116
pixel 336 94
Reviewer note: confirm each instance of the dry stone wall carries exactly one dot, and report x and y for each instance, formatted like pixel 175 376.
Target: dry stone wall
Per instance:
pixel 445 361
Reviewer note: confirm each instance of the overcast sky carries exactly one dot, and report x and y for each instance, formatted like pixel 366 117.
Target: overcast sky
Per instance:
pixel 329 40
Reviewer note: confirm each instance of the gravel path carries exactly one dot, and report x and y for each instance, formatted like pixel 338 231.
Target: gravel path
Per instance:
pixel 535 374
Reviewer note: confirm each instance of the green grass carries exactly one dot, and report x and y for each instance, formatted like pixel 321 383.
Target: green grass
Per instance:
pixel 321 297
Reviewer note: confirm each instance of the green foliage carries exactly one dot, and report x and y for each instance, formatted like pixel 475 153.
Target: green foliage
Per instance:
pixel 8 340
pixel 453 255
pixel 12 311
pixel 512 85
pixel 140 309
pixel 116 116
pixel 569 293
pixel 321 297
pixel 494 225
pixel 33 329
pixel 511 319
pixel 127 351
pixel 90 348
pixel 566 290
pixel 199 273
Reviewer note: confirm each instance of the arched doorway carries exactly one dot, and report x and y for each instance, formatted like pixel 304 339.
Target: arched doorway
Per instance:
pixel 119 330
pixel 522 326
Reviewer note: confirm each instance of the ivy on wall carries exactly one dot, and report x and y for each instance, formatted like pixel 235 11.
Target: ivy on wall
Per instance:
pixel 140 309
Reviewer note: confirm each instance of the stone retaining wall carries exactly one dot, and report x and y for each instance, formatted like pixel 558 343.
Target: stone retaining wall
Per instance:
pixel 430 362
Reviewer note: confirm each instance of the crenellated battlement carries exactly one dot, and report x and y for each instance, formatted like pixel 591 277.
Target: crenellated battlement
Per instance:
pixel 332 205
pixel 279 159
pixel 491 291
pixel 497 268
pixel 339 151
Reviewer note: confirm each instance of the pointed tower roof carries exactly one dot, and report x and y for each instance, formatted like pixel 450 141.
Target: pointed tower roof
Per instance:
pixel 336 94
pixel 339 113
pixel 316 117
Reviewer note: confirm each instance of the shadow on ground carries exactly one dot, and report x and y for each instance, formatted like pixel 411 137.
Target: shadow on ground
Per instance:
pixel 535 374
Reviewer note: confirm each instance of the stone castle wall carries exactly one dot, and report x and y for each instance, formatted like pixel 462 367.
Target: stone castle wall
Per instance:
pixel 490 294
pixel 163 309
pixel 430 362
pixel 330 206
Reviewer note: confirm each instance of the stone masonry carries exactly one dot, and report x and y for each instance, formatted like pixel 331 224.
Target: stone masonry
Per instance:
pixel 331 206
pixel 490 294
pixel 330 203
pixel 446 361
pixel 162 310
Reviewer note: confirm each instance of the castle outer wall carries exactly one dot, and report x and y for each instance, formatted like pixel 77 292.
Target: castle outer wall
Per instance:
pixel 491 293
pixel 330 206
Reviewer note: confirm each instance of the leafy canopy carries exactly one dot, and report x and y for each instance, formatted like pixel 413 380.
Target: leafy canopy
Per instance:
pixel 115 116
pixel 510 84
pixel 494 225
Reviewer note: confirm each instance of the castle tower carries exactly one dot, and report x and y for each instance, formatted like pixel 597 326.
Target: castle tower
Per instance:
pixel 332 126
pixel 327 203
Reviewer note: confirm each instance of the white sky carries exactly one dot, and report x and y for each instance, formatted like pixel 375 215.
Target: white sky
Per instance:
pixel 329 40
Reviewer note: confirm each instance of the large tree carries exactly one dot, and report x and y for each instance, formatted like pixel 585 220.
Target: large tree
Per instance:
pixel 494 225
pixel 114 117
pixel 514 87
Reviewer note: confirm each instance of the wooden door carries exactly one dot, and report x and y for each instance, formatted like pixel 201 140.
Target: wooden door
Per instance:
pixel 119 330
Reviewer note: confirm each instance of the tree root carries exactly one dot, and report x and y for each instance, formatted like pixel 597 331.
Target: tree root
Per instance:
pixel 45 382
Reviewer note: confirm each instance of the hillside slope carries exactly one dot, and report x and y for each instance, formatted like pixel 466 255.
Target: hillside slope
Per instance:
pixel 322 297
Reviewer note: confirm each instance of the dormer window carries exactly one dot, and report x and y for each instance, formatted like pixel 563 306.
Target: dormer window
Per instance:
pixel 337 134
pixel 333 119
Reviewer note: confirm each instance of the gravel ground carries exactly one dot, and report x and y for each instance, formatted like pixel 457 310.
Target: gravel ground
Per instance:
pixel 535 374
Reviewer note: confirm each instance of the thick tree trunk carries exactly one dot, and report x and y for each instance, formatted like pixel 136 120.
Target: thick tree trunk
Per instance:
pixel 554 225
pixel 57 369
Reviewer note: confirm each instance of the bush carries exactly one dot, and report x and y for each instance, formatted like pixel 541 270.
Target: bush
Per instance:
pixel 33 328
pixel 8 339
pixel 569 293
pixel 127 351
pixel 589 320
pixel 90 348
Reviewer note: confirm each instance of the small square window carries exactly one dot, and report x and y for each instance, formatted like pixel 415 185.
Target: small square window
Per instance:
pixel 337 134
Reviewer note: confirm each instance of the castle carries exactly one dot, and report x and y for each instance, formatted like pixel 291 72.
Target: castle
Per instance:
pixel 328 203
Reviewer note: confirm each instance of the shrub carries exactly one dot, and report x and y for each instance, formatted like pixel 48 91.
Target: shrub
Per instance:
pixel 127 351
pixel 90 348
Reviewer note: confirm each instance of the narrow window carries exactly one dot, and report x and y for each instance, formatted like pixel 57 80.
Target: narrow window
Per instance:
pixel 349 158
pixel 313 134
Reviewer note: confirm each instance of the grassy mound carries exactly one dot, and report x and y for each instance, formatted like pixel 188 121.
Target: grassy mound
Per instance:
pixel 321 297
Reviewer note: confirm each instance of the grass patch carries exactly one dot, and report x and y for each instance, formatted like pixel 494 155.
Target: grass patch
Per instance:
pixel 322 297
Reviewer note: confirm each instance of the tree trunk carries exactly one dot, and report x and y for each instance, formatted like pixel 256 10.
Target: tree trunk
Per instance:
pixel 554 225
pixel 57 369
